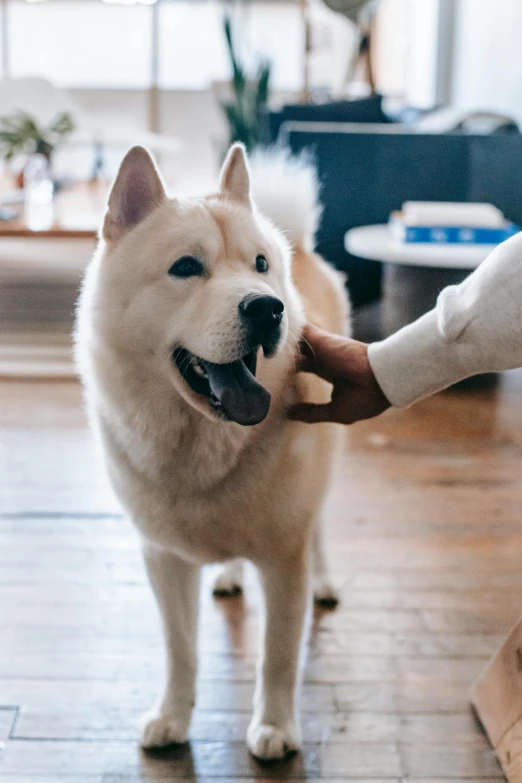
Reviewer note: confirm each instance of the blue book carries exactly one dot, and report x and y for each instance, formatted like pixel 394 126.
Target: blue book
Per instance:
pixel 451 235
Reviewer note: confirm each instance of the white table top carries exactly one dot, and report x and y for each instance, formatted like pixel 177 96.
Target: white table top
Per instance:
pixel 378 244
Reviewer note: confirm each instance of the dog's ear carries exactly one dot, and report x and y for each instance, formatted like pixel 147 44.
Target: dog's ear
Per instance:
pixel 137 190
pixel 234 180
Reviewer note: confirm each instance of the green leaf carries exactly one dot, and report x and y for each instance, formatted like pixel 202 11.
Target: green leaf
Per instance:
pixel 20 132
pixel 62 124
pixel 246 113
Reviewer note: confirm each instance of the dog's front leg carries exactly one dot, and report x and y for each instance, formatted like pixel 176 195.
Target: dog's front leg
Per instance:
pixel 274 729
pixel 176 587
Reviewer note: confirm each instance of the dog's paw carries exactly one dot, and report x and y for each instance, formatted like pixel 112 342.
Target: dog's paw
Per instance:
pixel 325 594
pixel 267 743
pixel 229 581
pixel 161 729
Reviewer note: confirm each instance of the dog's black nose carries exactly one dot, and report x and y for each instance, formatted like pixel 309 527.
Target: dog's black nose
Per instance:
pixel 262 312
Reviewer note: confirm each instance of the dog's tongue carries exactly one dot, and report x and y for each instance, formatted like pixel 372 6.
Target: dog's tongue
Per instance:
pixel 242 398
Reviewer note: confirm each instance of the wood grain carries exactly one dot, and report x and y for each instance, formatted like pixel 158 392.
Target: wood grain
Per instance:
pixel 425 541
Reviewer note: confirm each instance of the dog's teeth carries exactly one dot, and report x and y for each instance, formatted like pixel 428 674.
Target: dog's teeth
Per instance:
pixel 198 369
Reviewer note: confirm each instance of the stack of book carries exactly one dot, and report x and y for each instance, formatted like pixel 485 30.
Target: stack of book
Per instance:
pixel 451 223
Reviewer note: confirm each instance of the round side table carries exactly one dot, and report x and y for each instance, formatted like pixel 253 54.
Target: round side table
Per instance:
pixel 414 273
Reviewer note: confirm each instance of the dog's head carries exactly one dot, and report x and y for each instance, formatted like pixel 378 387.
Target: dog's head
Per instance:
pixel 200 288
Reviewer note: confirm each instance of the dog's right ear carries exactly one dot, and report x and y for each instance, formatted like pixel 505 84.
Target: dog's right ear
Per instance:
pixel 234 179
pixel 137 190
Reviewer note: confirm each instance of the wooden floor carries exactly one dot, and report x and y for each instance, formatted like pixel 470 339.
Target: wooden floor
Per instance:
pixel 426 543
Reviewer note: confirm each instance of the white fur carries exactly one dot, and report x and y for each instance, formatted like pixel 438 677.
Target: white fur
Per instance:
pixel 200 490
pixel 286 189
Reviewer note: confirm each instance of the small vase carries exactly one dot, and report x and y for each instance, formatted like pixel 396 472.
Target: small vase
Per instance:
pixel 38 193
pixel 45 152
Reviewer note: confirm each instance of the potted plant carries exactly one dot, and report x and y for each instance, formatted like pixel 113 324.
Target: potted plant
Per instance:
pixel 247 109
pixel 22 134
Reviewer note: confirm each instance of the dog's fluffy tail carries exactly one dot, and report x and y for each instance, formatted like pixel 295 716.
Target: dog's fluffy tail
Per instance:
pixel 285 189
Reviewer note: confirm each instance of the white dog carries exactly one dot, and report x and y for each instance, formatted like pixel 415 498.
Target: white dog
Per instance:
pixel 187 336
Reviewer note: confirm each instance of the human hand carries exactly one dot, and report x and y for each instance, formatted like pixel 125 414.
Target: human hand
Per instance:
pixel 344 363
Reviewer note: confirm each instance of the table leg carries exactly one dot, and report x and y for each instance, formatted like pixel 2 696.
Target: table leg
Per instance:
pixel 411 291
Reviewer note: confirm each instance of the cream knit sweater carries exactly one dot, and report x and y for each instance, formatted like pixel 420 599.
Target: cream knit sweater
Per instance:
pixel 476 327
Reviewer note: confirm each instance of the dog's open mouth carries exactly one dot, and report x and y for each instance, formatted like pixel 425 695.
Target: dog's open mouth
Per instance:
pixel 231 389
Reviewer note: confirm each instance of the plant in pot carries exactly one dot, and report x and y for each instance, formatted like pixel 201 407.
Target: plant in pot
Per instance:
pixel 22 134
pixel 246 111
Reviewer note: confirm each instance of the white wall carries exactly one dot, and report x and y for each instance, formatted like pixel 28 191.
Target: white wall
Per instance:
pixel 423 48
pixel 406 44
pixel 488 56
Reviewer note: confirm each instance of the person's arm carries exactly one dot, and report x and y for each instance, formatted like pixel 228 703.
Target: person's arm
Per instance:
pixel 476 327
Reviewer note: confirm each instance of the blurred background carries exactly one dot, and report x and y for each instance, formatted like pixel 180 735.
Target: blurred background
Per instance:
pixel 396 100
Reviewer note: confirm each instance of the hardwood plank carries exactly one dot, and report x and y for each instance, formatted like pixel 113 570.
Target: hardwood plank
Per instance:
pixel 137 588
pixel 41 639
pixel 488 619
pixel 15 778
pixel 407 696
pixel 117 723
pixel 118 779
pixel 457 730
pixel 465 762
pixel 432 645
pixel 100 664
pixel 226 760
pixel 7 722
pixel 360 760
pixel 140 694
pixel 132 622
pixel 139 778
pixel 258 779
pixel 104 722
pixel 443 581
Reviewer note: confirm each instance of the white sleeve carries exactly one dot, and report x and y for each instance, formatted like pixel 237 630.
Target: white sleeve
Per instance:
pixel 476 327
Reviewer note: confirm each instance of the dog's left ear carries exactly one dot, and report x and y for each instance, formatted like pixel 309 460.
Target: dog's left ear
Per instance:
pixel 234 180
pixel 136 192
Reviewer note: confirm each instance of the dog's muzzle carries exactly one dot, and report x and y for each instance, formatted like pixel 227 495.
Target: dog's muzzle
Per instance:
pixel 232 390
pixel 261 316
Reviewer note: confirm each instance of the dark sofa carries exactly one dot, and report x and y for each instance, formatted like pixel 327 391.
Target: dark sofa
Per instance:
pixel 368 171
pixel 365 110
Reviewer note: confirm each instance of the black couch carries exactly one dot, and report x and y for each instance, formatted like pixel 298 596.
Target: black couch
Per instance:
pixel 367 172
pixel 364 110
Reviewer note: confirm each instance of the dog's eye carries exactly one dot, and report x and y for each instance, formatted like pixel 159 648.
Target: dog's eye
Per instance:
pixel 187 266
pixel 261 264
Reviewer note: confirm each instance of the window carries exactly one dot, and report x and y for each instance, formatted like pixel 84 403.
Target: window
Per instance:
pixel 88 44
